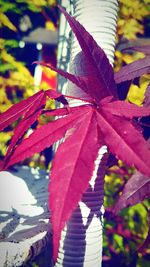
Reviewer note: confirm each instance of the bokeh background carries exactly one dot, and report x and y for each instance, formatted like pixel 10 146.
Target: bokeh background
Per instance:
pixel 29 32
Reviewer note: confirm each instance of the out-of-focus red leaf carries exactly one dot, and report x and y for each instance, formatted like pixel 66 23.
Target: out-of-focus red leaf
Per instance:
pixel 71 173
pixel 102 77
pixel 45 136
pixel 143 49
pixel 125 109
pixel 124 141
pixel 18 110
pixel 136 190
pixel 133 70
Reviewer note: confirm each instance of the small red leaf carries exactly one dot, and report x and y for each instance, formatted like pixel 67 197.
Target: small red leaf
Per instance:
pixel 71 173
pixel 124 141
pixel 133 70
pixel 122 108
pixel 18 110
pixel 45 136
pixel 136 190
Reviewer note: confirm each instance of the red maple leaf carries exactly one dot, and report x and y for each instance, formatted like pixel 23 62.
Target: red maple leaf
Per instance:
pixel 102 119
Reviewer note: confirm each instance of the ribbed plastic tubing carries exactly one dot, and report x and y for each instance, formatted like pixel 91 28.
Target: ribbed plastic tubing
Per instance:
pixel 81 239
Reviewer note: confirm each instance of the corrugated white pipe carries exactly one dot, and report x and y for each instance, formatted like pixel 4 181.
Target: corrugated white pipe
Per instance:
pixel 99 17
pixel 81 239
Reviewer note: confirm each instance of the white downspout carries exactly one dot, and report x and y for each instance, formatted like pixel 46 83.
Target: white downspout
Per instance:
pixel 81 240
pixel 99 17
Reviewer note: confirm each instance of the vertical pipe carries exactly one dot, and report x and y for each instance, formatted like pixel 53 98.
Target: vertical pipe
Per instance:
pixel 99 17
pixel 81 239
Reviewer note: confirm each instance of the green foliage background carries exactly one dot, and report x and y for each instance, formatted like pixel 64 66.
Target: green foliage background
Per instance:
pixel 124 233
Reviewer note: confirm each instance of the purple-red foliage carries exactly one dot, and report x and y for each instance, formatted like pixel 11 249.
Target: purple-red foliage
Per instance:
pixel 135 190
pixel 103 119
